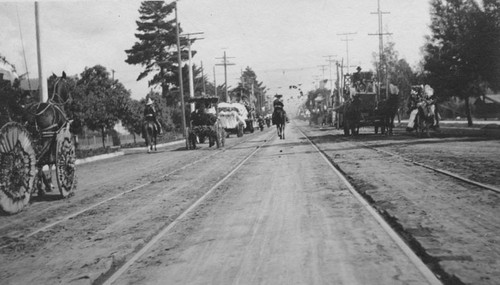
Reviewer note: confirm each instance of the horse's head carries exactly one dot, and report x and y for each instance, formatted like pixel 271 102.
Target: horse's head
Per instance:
pixel 61 90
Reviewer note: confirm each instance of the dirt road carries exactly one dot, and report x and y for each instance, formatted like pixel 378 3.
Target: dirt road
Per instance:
pixel 281 219
pixel 274 213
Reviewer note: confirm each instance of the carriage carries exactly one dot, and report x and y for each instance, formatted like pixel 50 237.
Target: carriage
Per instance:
pixel 362 107
pixel 233 118
pixel 204 123
pixel 26 148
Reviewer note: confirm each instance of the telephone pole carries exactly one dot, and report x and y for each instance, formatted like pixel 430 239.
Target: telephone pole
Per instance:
pixel 331 79
pixel 225 64
pixel 215 84
pixel 42 81
pixel 347 40
pixel 191 83
pixel 323 66
pixel 203 78
pixel 181 88
pixel 380 35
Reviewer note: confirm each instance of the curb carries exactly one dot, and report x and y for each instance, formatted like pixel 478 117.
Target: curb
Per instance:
pixel 123 152
pixel 143 149
pixel 98 157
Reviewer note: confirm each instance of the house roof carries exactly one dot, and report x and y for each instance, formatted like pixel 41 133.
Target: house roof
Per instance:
pixel 492 98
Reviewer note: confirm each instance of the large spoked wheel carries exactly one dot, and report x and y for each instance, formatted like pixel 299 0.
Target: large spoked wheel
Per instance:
pixel 17 168
pixel 65 162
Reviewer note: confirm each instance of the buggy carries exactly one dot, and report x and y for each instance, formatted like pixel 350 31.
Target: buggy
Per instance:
pixel 23 153
pixel 204 123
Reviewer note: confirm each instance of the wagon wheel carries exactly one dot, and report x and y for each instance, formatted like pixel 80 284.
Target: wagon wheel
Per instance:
pixel 65 162
pixel 17 167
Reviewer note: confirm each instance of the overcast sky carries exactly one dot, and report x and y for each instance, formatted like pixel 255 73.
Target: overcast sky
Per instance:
pixel 283 41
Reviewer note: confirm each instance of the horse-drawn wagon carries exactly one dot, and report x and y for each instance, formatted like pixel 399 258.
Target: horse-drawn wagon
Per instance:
pixel 41 138
pixel 232 117
pixel 205 123
pixel 362 108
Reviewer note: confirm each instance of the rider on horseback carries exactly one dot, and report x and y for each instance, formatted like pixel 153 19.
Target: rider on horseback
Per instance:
pixel 150 114
pixel 278 105
pixel 422 96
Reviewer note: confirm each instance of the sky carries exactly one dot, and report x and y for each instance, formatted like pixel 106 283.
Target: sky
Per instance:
pixel 284 41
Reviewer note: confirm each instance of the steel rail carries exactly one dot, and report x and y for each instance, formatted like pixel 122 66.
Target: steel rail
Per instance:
pixel 442 171
pixel 86 209
pixel 419 264
pixel 122 269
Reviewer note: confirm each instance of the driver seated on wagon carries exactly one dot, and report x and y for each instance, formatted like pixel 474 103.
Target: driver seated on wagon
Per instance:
pixel 150 114
pixel 203 115
pixel 278 105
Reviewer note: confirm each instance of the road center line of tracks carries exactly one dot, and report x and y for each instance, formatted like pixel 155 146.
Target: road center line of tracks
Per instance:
pixel 424 270
pixel 120 194
pixel 158 236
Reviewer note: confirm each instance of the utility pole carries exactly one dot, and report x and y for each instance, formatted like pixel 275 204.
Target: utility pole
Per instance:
pixel 181 88
pixel 347 40
pixel 215 84
pixel 331 79
pixel 113 75
pixel 203 78
pixel 380 35
pixel 225 64
pixel 191 83
pixel 42 88
pixel 323 66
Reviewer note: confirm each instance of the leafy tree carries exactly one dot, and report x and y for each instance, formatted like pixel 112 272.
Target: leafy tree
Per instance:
pixel 133 117
pixel 395 70
pixel 243 92
pixel 156 49
pixel 103 100
pixel 462 54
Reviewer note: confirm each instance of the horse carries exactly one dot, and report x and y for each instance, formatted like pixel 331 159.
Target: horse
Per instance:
pixel 150 133
pixel 352 116
pixel 387 110
pixel 44 120
pixel 279 119
pixel 424 120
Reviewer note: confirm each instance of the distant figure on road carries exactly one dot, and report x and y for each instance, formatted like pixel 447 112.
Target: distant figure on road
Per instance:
pixel 278 106
pixel 150 114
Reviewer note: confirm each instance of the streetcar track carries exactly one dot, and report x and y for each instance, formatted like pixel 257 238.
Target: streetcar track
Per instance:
pixel 438 170
pixel 137 187
pixel 435 169
pixel 123 268
pixel 419 264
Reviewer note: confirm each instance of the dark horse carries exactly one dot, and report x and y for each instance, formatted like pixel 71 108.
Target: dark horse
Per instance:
pixel 352 116
pixel 279 119
pixel 150 133
pixel 45 120
pixel 387 110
